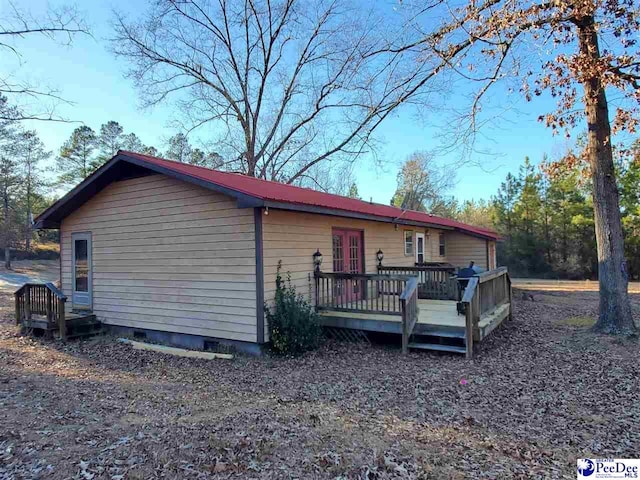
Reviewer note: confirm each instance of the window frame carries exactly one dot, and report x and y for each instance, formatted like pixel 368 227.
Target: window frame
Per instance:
pixel 442 245
pixel 410 253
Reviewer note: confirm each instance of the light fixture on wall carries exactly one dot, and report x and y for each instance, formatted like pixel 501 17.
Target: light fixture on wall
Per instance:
pixel 380 257
pixel 317 260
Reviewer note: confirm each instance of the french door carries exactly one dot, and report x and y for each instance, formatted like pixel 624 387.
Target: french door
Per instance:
pixel 82 275
pixel 348 257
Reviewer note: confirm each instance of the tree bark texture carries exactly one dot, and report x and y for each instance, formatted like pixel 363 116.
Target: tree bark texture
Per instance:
pixel 615 308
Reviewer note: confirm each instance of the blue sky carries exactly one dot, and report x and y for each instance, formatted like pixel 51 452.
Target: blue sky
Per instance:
pixel 88 74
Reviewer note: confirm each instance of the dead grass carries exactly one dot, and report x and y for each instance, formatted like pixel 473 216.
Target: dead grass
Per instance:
pixel 585 322
pixel 540 394
pixel 542 285
pixel 46 269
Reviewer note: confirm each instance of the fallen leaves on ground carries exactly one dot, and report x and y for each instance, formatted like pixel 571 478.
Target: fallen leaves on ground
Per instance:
pixel 539 394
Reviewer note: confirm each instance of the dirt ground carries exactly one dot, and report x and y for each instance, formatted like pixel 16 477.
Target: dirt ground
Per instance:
pixel 541 392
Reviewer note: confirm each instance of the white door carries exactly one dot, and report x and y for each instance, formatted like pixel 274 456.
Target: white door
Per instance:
pixel 82 276
pixel 420 248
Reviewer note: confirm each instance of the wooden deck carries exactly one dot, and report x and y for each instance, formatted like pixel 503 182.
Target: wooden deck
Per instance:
pixel 435 317
pixel 395 303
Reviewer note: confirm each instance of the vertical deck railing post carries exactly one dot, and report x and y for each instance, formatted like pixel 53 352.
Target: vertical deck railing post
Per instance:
pixel 468 308
pixel 49 307
pixel 62 324
pixel 18 309
pixel 27 302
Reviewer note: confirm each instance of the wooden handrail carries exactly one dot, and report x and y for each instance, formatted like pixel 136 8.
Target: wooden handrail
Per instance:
pixel 419 268
pixel 359 292
pixel 491 274
pixel 366 276
pixel 409 309
pixel 41 299
pixel 483 295
pixel 409 289
pixel 435 282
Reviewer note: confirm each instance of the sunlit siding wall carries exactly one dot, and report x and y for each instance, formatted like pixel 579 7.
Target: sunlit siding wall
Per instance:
pixel 170 256
pixel 293 237
pixel 462 249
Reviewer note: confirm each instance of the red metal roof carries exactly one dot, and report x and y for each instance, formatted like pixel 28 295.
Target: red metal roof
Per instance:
pixel 290 194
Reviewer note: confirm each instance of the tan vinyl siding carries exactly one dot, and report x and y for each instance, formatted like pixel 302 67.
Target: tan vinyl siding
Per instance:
pixel 168 255
pixel 462 249
pixel 433 246
pixel 293 237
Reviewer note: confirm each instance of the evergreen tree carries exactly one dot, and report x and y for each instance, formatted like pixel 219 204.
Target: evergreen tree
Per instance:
pixel 353 192
pixel 30 153
pixel 109 141
pixel 75 158
pixel 179 148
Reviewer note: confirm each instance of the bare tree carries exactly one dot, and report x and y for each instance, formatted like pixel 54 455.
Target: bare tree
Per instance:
pixel 16 23
pixel 550 47
pixel 291 83
pixel 422 184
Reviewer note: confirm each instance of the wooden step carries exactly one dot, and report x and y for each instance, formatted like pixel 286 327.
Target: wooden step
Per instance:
pixel 441 332
pixel 439 347
pixel 82 325
pixel 85 319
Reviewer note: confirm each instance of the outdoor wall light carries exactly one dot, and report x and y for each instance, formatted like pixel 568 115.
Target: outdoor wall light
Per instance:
pixel 317 260
pixel 380 257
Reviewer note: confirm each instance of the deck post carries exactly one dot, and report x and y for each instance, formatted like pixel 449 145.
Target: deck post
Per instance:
pixel 18 313
pixel 507 282
pixel 405 337
pixel 62 325
pixel 468 328
pixel 27 302
pixel 49 307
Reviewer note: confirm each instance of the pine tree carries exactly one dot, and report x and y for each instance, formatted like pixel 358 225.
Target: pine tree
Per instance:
pixel 75 160
pixel 30 153
pixel 109 142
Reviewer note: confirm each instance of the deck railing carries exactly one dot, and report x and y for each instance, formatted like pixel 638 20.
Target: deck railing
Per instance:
pixel 484 294
pixel 434 282
pixel 370 293
pixel 41 299
pixel 409 307
pixel 360 292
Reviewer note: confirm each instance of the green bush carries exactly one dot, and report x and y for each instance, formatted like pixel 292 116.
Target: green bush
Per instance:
pixel 293 322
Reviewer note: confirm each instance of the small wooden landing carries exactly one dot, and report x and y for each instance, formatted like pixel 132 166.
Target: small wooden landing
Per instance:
pixel 78 324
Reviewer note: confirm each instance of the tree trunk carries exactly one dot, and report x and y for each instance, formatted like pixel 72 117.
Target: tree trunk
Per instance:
pixel 615 309
pixel 28 227
pixel 5 236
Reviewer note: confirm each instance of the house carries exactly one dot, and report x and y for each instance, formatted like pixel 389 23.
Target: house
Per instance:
pixel 188 255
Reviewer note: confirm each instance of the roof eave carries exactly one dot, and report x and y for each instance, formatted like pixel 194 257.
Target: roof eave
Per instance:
pixel 45 220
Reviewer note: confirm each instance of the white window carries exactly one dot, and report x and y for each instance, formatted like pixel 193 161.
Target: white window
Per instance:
pixel 408 242
pixel 443 246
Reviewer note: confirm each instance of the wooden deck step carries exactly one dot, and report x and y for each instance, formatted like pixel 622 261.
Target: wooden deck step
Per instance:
pixel 439 347
pixel 439 332
pixel 82 325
